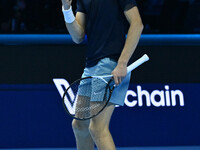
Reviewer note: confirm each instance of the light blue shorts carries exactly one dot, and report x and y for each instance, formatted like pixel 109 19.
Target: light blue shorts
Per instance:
pixel 104 67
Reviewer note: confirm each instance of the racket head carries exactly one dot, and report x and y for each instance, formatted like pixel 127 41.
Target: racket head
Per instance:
pixel 85 98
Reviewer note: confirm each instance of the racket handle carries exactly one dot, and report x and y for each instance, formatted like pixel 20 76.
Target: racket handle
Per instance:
pixel 137 63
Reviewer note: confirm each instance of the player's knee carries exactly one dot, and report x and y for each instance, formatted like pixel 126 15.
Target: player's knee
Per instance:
pixel 79 125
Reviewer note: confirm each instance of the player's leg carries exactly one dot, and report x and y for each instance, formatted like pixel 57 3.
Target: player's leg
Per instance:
pixel 80 127
pixel 99 125
pixel 84 140
pixel 99 129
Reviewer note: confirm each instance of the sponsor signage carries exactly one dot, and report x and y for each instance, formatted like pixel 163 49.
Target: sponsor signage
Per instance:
pixel 138 95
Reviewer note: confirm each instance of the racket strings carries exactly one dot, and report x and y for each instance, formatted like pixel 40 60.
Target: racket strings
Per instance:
pixel 88 108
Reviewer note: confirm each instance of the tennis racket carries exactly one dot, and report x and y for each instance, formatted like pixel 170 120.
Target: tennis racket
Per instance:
pixel 85 98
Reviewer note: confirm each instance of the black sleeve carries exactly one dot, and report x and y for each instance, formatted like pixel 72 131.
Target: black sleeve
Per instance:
pixel 80 6
pixel 127 4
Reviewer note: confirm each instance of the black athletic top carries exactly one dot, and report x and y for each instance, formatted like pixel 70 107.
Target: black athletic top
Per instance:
pixel 106 27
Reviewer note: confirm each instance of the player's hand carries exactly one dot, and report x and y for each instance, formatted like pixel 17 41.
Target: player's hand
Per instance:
pixel 119 73
pixel 66 4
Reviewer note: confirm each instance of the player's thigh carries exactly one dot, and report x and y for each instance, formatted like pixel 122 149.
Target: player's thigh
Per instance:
pixel 102 120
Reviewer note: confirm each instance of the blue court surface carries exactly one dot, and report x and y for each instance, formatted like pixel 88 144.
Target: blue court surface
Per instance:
pixel 122 148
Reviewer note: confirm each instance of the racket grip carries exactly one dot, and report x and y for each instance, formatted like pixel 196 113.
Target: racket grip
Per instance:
pixel 137 63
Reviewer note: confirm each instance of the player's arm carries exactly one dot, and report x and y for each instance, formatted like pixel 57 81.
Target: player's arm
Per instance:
pixel 133 36
pixel 77 27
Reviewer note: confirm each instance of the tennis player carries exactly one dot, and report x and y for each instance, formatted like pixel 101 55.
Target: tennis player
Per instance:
pixel 105 22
